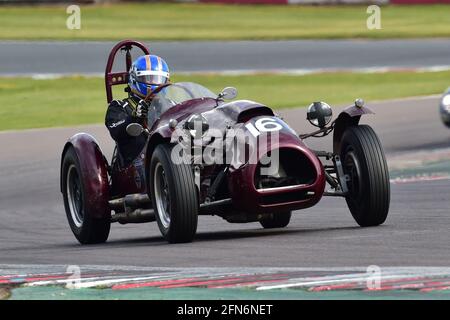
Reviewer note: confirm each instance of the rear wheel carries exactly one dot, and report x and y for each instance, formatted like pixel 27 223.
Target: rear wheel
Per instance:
pixel 174 196
pixel 276 220
pixel 86 228
pixel 364 163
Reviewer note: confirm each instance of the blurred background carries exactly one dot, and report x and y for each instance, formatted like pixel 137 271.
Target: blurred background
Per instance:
pixel 395 54
pixel 333 50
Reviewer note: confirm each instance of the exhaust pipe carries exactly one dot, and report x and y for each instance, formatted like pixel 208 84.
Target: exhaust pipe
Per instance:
pixel 136 216
pixel 133 208
pixel 130 200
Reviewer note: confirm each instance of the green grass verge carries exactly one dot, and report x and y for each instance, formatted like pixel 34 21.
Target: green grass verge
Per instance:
pixel 190 21
pixel 28 103
pixel 183 294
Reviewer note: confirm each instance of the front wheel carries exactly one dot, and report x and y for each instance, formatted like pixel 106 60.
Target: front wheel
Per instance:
pixel 364 164
pixel 276 220
pixel 174 196
pixel 87 228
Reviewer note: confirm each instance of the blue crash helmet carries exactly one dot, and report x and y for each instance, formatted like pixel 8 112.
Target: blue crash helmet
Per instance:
pixel 147 73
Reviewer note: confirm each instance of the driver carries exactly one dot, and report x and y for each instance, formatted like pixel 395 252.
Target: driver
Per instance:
pixel 146 74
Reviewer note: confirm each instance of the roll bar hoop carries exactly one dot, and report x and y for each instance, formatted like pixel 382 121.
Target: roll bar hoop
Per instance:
pixel 116 78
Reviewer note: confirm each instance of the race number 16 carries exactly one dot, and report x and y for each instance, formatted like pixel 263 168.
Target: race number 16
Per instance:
pixel 263 125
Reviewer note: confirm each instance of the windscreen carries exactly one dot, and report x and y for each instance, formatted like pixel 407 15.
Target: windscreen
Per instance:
pixel 174 94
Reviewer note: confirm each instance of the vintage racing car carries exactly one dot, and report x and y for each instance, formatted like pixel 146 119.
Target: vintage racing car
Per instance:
pixel 262 173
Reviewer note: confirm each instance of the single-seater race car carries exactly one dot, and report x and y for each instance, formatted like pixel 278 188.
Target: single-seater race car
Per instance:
pixel 209 154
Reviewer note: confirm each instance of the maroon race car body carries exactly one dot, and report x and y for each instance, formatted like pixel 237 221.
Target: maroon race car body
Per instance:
pixel 97 193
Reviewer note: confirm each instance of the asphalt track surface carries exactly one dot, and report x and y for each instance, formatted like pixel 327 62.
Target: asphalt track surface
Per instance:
pixel 27 58
pixel 34 230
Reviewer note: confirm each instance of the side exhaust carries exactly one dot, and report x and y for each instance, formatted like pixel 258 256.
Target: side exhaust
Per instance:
pixel 136 216
pixel 133 208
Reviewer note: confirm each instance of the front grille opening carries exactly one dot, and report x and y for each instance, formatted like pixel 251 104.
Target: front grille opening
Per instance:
pixel 289 167
pixel 285 197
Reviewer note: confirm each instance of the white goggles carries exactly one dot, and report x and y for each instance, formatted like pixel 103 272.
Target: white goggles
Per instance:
pixel 152 76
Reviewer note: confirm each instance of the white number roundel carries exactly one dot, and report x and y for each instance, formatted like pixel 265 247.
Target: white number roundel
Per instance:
pixel 263 125
pixel 267 125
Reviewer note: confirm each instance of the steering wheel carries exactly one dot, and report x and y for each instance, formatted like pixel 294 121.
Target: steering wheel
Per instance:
pixel 150 96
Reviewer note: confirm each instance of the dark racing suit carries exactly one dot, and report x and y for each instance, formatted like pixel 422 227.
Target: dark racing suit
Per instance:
pixel 118 116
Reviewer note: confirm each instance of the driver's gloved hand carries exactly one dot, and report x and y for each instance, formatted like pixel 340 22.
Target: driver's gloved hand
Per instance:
pixel 141 109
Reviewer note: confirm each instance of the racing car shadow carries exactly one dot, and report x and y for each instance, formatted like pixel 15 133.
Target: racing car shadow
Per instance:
pixel 230 235
pixel 255 233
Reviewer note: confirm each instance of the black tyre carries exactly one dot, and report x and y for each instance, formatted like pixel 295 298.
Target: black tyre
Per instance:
pixel 363 160
pixel 276 220
pixel 86 228
pixel 174 196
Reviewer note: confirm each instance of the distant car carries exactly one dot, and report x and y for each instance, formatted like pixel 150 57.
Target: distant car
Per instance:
pixel 444 108
pixel 244 188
